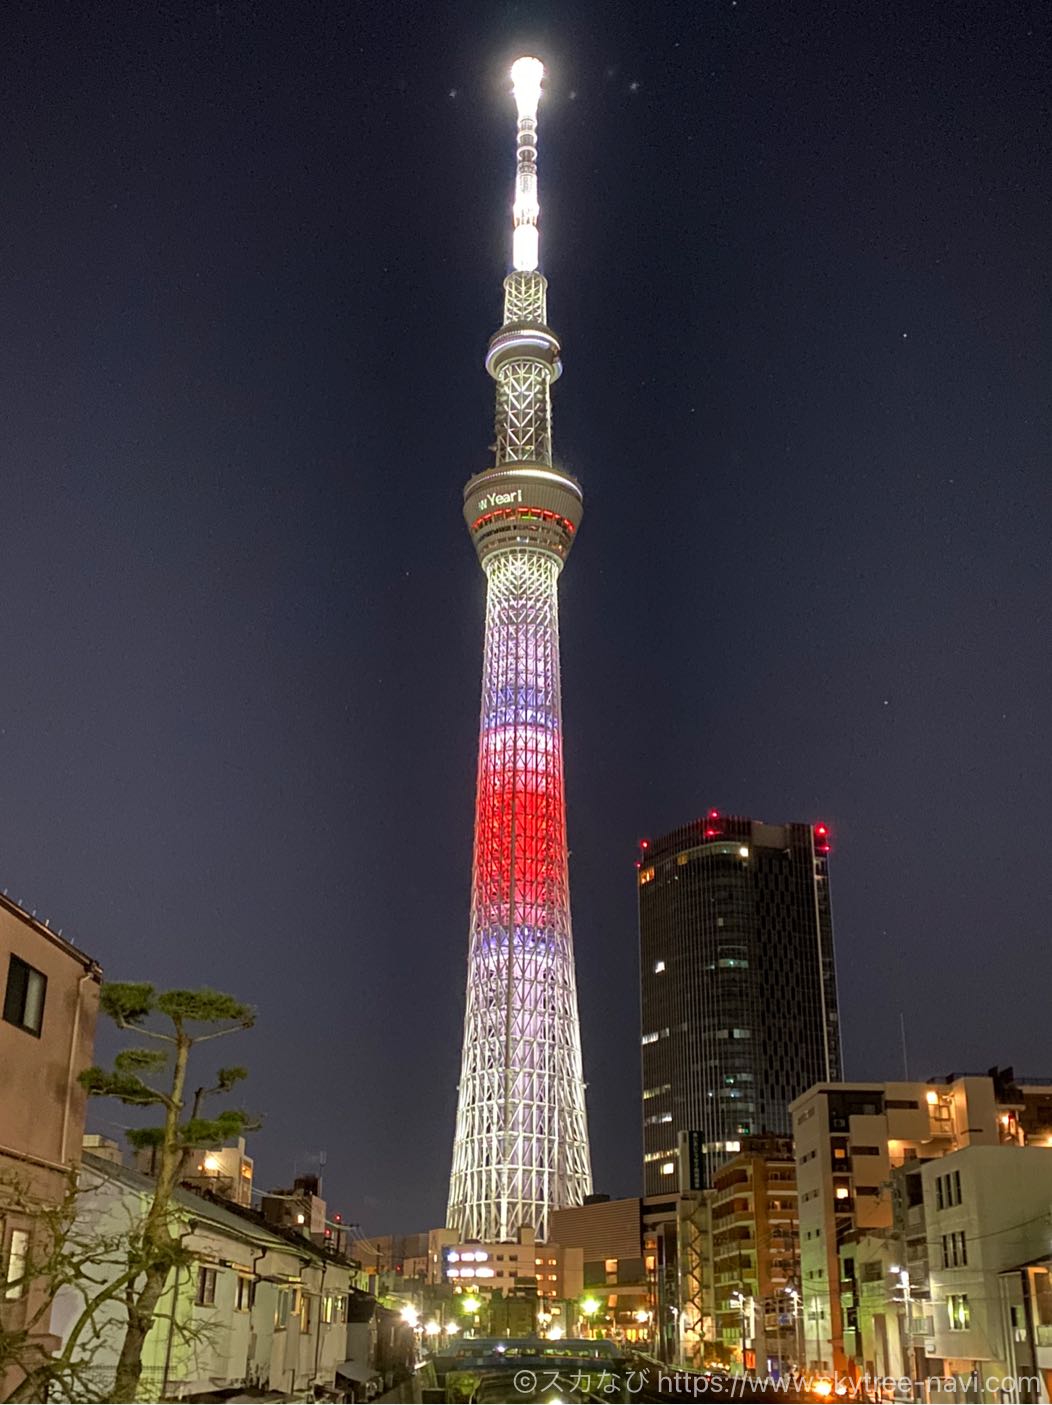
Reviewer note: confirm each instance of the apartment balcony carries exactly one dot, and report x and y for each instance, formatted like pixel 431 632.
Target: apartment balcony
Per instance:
pixel 743 1215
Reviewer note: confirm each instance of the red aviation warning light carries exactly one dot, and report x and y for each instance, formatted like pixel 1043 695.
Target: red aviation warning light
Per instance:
pixel 821 839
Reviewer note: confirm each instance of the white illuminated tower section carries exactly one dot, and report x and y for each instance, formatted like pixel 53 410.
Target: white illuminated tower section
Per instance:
pixel 521 1147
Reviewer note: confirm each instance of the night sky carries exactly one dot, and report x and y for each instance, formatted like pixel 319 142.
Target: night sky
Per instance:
pixel 250 256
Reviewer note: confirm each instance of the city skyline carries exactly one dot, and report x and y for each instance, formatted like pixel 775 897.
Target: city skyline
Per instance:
pixel 802 285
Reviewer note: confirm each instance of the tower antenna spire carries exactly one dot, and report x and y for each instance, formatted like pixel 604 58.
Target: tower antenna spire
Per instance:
pixel 527 75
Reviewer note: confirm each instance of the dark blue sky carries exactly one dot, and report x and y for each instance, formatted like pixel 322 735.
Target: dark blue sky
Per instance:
pixel 250 255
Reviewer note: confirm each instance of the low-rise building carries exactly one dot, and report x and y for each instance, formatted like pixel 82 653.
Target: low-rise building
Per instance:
pixel 47 1031
pixel 1026 1298
pixel 863 1154
pixel 260 1308
pixel 987 1210
pixel 848 1138
pixel 608 1238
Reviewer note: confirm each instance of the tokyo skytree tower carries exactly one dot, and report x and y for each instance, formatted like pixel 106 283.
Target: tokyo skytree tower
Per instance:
pixel 521 1146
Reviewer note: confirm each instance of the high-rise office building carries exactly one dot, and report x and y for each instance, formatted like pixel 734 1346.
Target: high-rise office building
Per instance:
pixel 738 988
pixel 521 1145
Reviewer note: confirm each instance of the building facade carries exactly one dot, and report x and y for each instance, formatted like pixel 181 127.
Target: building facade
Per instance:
pixel 738 986
pixel 258 1308
pixel 47 1034
pixel 618 1265
pixel 521 1143
pixel 851 1140
pixel 987 1211
pixel 755 1255
pixel 547 1273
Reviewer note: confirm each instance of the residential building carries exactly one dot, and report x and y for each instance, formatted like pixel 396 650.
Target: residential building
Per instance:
pixel 988 1211
pixel 261 1308
pixel 738 986
pixel 224 1171
pixel 849 1139
pixel 47 1034
pixel 303 1210
pixel 1026 1297
pixel 755 1254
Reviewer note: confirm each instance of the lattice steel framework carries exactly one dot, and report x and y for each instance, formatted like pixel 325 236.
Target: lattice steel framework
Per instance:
pixel 521 1145
pixel 523 420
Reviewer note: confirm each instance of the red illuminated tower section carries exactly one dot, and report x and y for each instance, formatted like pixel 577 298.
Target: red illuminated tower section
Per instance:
pixel 521 1146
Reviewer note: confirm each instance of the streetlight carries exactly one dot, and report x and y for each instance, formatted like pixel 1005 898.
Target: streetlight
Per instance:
pixel 589 1307
pixel 410 1316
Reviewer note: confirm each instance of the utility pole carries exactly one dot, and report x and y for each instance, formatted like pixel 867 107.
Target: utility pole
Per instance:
pixel 907 1334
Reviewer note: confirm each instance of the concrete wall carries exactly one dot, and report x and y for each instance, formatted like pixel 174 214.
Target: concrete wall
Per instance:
pixel 1005 1215
pixel 41 1102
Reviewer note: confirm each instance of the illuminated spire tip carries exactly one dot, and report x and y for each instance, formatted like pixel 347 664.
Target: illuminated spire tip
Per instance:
pixel 527 74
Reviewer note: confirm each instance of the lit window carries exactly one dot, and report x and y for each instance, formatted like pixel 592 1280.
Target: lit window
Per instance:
pixel 959 1312
pixel 650 1038
pixel 668 1168
pixel 610 1266
pixel 659 966
pixel 24 996
pixel 646 876
pixel 17 1254
pixel 841 1192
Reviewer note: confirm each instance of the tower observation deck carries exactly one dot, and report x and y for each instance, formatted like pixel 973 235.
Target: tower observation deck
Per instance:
pixel 521 1143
